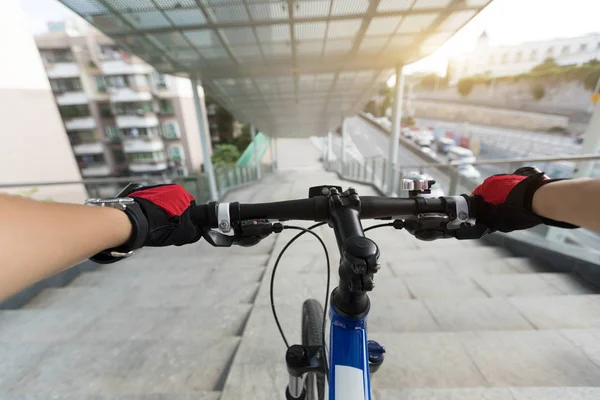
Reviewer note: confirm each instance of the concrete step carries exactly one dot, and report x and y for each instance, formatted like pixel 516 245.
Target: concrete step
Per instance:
pixel 122 324
pixel 513 393
pixel 153 396
pixel 130 367
pixel 101 298
pixel 482 359
pixel 198 276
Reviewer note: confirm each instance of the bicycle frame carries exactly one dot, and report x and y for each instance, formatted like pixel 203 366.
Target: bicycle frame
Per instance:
pixel 349 377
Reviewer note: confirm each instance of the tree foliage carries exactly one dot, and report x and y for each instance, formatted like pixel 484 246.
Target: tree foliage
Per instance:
pixel 429 81
pixel 465 86
pixel 225 154
pixel 538 91
pixel 371 107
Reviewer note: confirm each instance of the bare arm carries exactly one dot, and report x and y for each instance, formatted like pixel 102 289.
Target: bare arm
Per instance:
pixel 576 201
pixel 40 239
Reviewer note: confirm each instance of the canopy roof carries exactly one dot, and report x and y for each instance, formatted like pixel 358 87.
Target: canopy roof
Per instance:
pixel 291 67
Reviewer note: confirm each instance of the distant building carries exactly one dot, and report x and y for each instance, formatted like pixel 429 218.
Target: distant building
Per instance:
pixel 516 59
pixel 121 116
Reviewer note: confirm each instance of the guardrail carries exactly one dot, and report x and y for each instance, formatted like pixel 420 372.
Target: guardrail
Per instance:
pixel 228 177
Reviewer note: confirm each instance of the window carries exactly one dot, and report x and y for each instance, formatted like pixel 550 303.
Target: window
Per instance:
pixel 150 156
pixel 65 85
pixel 583 47
pixel 140 132
pixel 80 137
pixel 550 51
pixel 598 46
pixel 118 156
pixel 105 110
pixel 100 84
pixel 533 54
pixel 492 60
pixel 176 153
pixel 112 133
pixel 111 52
pixel 159 80
pixel 75 111
pixel 90 159
pixel 565 50
pixel 504 58
pixel 166 107
pixel 170 130
pixel 133 108
pixel 518 56
pixel 57 56
pixel 116 81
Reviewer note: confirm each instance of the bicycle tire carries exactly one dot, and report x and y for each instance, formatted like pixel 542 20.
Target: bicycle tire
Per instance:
pixel 312 328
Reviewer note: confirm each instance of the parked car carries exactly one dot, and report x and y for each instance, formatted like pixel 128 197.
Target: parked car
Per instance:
pixel 469 171
pixel 407 132
pixel 429 151
pixel 423 138
pixel 457 153
pixel 444 144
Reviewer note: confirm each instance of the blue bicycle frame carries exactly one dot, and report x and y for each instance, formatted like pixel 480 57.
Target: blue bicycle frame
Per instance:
pixel 349 377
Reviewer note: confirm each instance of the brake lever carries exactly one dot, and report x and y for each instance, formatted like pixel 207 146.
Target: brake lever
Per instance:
pixel 246 234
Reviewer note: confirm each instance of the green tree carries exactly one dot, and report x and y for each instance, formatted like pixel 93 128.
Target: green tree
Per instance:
pixel 537 91
pixel 370 107
pixel 225 154
pixel 429 81
pixel 465 86
pixel 548 64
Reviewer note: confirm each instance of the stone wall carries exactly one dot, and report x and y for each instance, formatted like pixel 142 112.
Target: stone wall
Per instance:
pixel 453 111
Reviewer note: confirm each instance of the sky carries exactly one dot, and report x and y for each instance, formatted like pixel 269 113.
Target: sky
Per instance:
pixel 505 21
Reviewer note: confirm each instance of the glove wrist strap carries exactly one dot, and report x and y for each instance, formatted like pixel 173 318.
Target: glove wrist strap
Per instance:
pixel 139 233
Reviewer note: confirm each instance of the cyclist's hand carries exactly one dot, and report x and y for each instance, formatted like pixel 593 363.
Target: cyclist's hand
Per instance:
pixel 167 209
pixel 503 202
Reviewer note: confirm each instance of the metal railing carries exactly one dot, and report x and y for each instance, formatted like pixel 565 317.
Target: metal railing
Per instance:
pixel 449 178
pixel 228 177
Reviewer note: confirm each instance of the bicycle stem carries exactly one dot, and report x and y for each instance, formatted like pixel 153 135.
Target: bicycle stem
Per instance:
pixel 359 255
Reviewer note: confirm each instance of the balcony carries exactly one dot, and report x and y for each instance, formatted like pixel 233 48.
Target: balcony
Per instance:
pixel 80 123
pixel 125 94
pixel 62 70
pixel 95 170
pixel 71 98
pixel 147 120
pixel 88 148
pixel 142 145
pixel 140 166
pixel 123 67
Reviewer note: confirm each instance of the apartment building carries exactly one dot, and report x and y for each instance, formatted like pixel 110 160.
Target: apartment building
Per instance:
pixel 122 117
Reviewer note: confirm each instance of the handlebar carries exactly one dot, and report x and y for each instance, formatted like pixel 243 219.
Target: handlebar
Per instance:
pixel 317 209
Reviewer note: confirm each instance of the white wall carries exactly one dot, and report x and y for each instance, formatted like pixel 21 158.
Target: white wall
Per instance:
pixel 33 143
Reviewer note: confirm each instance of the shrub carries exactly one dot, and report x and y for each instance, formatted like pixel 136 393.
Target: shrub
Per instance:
pixel 225 154
pixel 465 86
pixel 538 91
pixel 558 129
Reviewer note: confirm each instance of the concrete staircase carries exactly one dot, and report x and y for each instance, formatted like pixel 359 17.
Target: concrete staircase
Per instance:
pixel 459 320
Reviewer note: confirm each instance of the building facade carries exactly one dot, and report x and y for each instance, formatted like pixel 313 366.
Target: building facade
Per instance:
pixel 493 61
pixel 34 145
pixel 122 118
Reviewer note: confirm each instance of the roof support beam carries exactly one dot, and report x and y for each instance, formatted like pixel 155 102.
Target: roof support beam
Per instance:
pixel 456 6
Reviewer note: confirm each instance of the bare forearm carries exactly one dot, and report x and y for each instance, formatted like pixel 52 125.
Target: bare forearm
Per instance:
pixel 575 201
pixel 40 239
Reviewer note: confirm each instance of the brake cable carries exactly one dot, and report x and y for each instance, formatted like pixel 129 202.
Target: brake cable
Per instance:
pixel 271 290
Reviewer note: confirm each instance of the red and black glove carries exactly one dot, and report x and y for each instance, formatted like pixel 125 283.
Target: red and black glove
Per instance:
pixel 160 216
pixel 167 209
pixel 504 203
